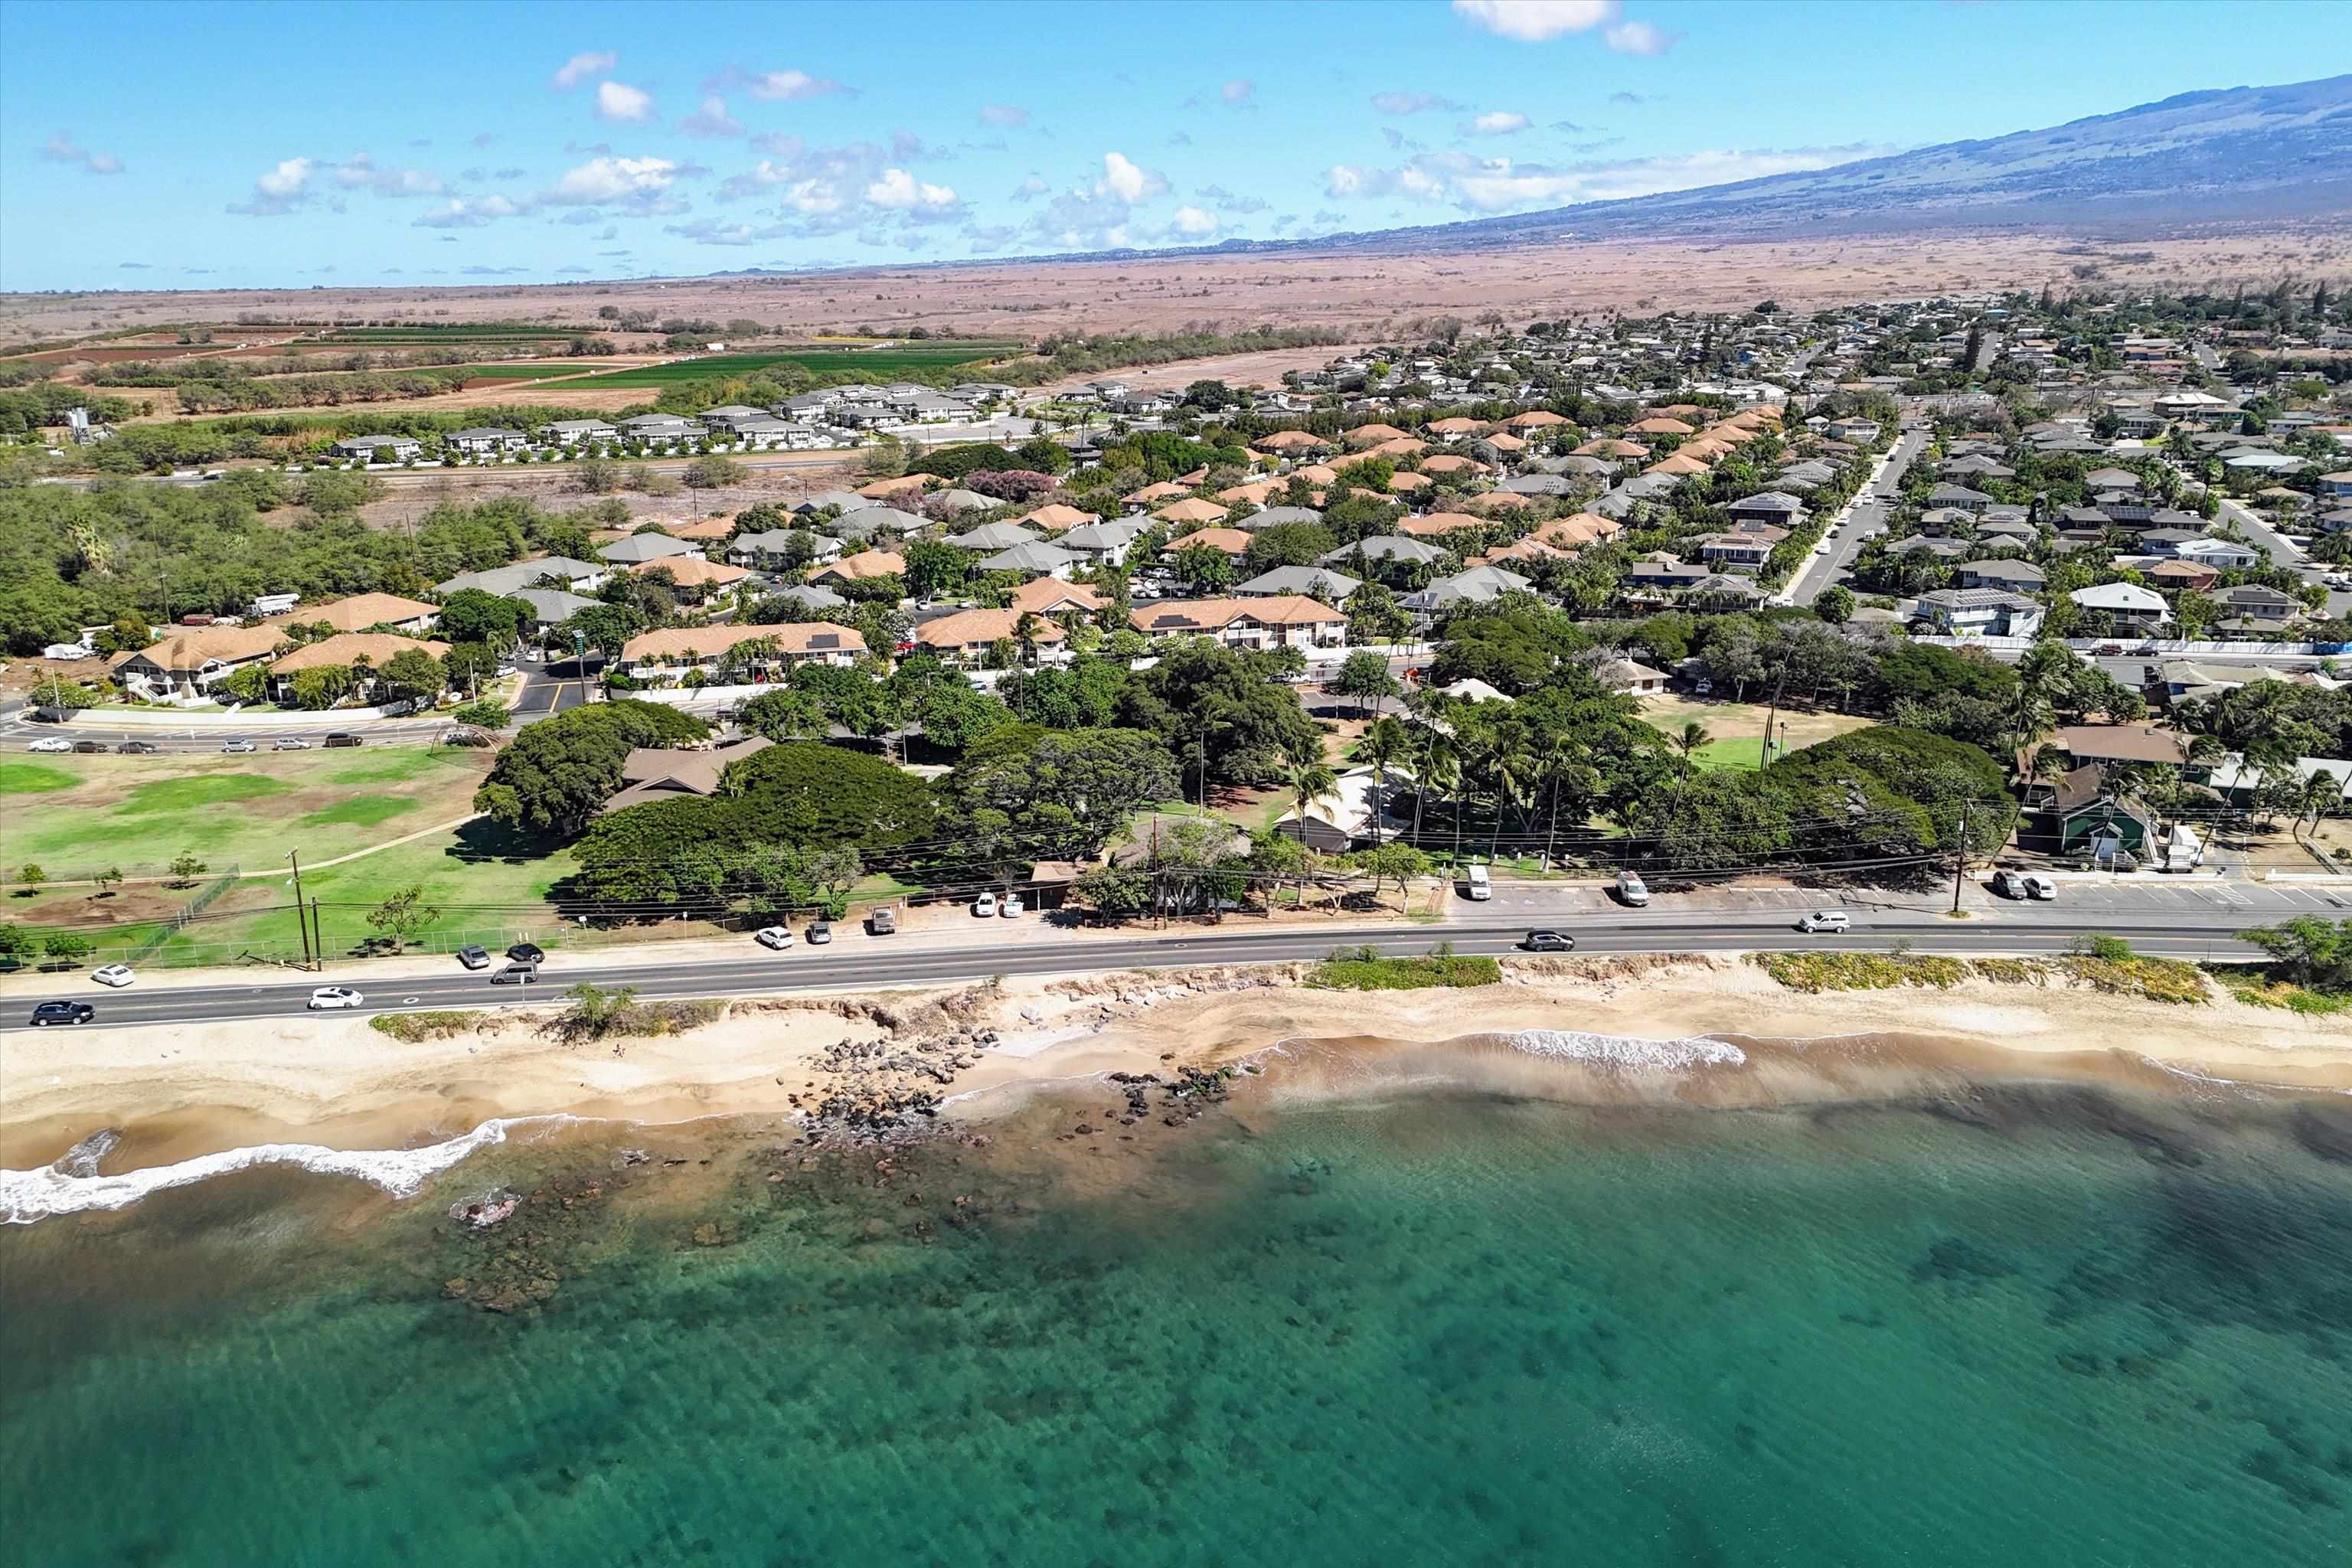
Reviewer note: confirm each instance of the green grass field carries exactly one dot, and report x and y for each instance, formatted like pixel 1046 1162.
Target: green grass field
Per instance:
pixel 1745 752
pixel 881 365
pixel 140 813
pixel 436 335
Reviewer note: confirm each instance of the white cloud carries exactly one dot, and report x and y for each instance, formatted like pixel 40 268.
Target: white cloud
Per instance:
pixel 1126 181
pixel 1193 221
pixel 359 171
pixel 1030 189
pixel 711 119
pixel 1410 102
pixel 466 213
pixel 1238 90
pixel 710 231
pixel 612 180
pixel 280 190
pixel 62 149
pixel 1501 123
pixel 1486 186
pixel 1534 21
pixel 1002 114
pixel 900 191
pixel 775 86
pixel 1639 38
pixel 580 68
pixel 617 100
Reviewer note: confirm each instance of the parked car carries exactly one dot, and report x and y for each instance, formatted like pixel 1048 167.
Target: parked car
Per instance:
pixel 289 743
pixel 882 923
pixel 516 974
pixel 342 738
pixel 51 744
pixel 1012 908
pixel 984 906
pixel 1825 920
pixel 777 937
pixel 2008 884
pixel 47 1012
pixel 1634 892
pixel 474 957
pixel 819 933
pixel 2038 886
pixel 327 997
pixel 1476 885
pixel 1548 941
pixel 89 747
pixel 239 747
pixel 527 952
pixel 138 748
pixel 115 975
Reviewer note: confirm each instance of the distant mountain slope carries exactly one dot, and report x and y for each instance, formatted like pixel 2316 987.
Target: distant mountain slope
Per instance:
pixel 2233 155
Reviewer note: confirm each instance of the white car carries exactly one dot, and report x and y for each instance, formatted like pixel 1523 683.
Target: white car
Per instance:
pixel 327 996
pixel 115 975
pixel 238 748
pixel 777 937
pixel 1826 919
pixel 1012 908
pixel 984 906
pixel 51 744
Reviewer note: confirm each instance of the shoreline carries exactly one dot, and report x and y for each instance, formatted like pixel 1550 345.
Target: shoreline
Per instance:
pixel 1696 1031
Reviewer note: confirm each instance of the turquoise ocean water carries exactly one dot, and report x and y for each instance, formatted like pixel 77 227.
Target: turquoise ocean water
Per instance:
pixel 1428 1328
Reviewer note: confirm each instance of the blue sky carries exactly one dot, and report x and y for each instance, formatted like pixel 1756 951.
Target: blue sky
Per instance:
pixel 205 145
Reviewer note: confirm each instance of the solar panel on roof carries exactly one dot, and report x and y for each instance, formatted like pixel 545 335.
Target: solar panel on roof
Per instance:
pixel 825 639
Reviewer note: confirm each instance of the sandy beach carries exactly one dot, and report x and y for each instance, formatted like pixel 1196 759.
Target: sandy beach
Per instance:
pixel 339 1082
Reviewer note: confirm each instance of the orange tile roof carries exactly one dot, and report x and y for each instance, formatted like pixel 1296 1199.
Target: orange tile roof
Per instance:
pixel 689 573
pixel 1190 510
pixel 1044 596
pixel 357 612
pixel 864 564
pixel 1231 540
pixel 1496 500
pixel 968 627
pixel 348 647
pixel 1534 419
pixel 708 642
pixel 1288 441
pixel 1439 522
pixel 1210 614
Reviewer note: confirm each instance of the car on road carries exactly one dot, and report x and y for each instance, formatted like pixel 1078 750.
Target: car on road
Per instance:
pixel 51 744
pixel 1825 920
pixel 327 997
pixel 115 975
pixel 1012 908
pixel 138 749
pixel 239 747
pixel 984 906
pixel 474 957
pixel 516 974
pixel 342 738
pixel 1548 941
pixel 47 1012
pixel 777 937
pixel 289 743
pixel 527 952
pixel 820 933
pixel 882 923
pixel 89 747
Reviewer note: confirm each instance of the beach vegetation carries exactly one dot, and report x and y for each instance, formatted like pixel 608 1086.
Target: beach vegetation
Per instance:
pixel 413 1029
pixel 1365 969
pixel 1818 971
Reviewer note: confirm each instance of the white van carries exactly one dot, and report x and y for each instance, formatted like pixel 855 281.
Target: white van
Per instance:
pixel 1476 885
pixel 1633 890
pixel 2038 886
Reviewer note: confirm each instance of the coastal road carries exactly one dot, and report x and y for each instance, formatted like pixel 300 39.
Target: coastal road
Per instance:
pixel 1864 518
pixel 872 965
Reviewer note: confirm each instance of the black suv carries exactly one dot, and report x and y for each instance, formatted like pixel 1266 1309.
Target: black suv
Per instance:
pixel 138 748
pixel 1549 942
pixel 47 1012
pixel 342 738
pixel 527 952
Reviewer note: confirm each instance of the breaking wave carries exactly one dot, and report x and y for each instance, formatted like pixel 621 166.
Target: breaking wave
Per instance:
pixel 72 1184
pixel 1625 1050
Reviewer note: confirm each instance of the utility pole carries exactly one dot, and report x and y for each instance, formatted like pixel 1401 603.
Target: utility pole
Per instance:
pixel 296 856
pixel 1960 862
pixel 318 935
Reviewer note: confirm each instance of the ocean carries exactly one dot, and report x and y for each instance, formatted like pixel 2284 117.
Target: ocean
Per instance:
pixel 2014 1324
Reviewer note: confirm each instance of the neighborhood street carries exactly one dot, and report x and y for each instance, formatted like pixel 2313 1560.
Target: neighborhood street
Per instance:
pixel 1864 519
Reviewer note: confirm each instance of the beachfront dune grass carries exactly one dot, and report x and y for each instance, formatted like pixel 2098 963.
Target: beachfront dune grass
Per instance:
pixel 1364 969
pixel 2110 966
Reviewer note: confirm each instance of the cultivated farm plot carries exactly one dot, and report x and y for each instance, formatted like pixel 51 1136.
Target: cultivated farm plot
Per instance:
pixel 73 815
pixel 881 365
pixel 1738 728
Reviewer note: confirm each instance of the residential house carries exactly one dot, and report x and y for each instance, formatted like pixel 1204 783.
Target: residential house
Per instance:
pixel 1052 596
pixel 970 637
pixel 864 567
pixel 2177 575
pixel 654 773
pixel 638 549
pixel 668 656
pixel 662 429
pixel 990 537
pixel 1231 540
pixel 1295 621
pixel 779 548
pixel 485 441
pixel 2335 487
pixel 2252 607
pixel 1476 585
pixel 1387 548
pixel 363 612
pixel 579 433
pixel 2017 576
pixel 359 651
pixel 1034 558
pixel 1959 496
pixel 188 664
pixel 2126 604
pixel 716 581
pixel 1102 543
pixel 1861 432
pixel 2078 814
pixel 1981 612
pixel 1314 581
pixel 551 606
pixel 377 448
pixel 1744 550
pixel 2221 554
pixel 573 576
pixel 1359 808
pixel 810 597
pixel 1771 508
pixel 2114 746
pixel 1628 676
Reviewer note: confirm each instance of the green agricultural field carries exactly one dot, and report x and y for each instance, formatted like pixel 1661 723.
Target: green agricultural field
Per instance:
pixel 881 365
pixel 140 813
pixel 525 369
pixel 488 333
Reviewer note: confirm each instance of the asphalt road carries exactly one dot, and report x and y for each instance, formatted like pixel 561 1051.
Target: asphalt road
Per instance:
pixel 1865 518
pixel 2262 533
pixel 860 963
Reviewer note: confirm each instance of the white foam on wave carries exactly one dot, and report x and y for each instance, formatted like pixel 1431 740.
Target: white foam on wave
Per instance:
pixel 1626 1050
pixel 30 1196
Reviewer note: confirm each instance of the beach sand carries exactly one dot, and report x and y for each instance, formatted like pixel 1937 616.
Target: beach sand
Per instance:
pixel 338 1082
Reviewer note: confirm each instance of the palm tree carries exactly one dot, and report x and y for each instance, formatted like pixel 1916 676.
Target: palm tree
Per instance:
pixel 1439 767
pixel 1514 765
pixel 1308 780
pixel 1384 741
pixel 1692 736
pixel 2320 791
pixel 1561 753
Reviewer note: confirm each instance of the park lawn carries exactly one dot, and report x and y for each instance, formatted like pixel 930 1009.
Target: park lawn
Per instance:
pixel 1745 721
pixel 139 813
pixel 33 778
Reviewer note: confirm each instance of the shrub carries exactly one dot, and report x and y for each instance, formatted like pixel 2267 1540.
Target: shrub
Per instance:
pixel 413 1027
pixel 1817 971
pixel 1365 970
